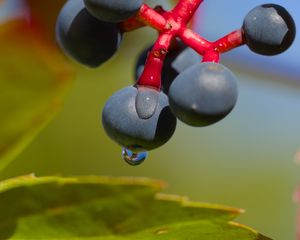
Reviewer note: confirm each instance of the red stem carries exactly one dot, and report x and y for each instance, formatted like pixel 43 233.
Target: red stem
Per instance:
pixel 136 22
pixel 151 75
pixel 170 25
pixel 185 10
pixel 211 56
pixel 131 24
pixel 194 41
pixel 230 41
pixel 150 17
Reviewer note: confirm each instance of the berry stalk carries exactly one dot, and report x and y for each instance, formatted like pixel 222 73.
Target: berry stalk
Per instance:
pixel 141 117
pixel 193 40
pixel 142 20
pixel 230 41
pixel 185 10
pixel 211 56
pixel 150 17
pixel 151 76
pixel 170 25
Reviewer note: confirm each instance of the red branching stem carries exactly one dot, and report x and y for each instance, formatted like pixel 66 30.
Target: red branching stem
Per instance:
pixel 185 10
pixel 230 41
pixel 131 24
pixel 211 56
pixel 194 41
pixel 136 22
pixel 159 9
pixel 151 75
pixel 150 17
pixel 173 24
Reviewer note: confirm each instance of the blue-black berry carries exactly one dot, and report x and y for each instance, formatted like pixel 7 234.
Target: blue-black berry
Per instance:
pixel 203 94
pixel 269 29
pixel 83 37
pixel 123 124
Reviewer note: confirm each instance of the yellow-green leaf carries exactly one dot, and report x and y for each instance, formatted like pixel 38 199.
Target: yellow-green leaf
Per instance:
pixel 110 209
pixel 33 80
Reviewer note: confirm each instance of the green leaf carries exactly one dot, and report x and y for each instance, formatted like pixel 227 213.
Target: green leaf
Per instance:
pixel 33 80
pixel 110 209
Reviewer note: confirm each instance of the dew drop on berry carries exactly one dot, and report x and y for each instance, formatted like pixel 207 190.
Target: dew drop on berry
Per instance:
pixel 146 102
pixel 133 158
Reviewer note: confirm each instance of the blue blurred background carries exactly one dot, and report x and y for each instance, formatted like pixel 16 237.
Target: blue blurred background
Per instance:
pixel 244 161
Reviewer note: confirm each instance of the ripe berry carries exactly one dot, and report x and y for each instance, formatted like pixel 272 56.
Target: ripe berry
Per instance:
pixel 83 37
pixel 178 59
pixel 122 123
pixel 269 29
pixel 113 10
pixel 141 118
pixel 203 94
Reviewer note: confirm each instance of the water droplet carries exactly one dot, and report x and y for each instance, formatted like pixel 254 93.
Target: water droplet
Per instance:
pixel 133 158
pixel 146 102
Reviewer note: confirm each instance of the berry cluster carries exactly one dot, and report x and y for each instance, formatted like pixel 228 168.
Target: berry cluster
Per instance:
pixel 171 80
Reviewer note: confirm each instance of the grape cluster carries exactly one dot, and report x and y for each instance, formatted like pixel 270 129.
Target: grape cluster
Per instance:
pixel 171 80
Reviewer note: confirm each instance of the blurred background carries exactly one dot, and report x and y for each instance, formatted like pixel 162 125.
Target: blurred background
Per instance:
pixel 245 161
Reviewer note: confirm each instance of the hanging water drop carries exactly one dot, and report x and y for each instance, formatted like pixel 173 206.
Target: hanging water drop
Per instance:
pixel 133 158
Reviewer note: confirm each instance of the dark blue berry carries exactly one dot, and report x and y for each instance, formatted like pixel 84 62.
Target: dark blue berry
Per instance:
pixel 122 123
pixel 269 29
pixel 113 10
pixel 203 94
pixel 83 37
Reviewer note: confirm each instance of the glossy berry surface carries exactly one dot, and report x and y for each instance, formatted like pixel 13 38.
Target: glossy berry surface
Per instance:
pixel 178 59
pixel 122 123
pixel 203 94
pixel 113 10
pixel 269 29
pixel 84 38
pixel 180 63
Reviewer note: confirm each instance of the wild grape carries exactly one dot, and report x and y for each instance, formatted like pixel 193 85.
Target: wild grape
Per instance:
pixel 179 76
pixel 203 94
pixel 83 37
pixel 269 29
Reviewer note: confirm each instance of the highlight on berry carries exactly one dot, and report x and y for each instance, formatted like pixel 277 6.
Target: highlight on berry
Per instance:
pixel 178 77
